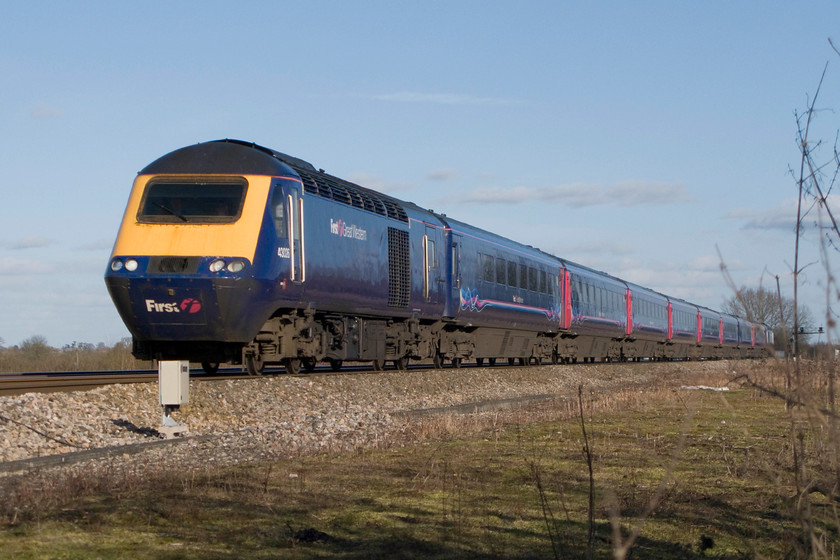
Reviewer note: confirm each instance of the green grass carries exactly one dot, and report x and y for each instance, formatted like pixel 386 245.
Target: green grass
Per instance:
pixel 697 474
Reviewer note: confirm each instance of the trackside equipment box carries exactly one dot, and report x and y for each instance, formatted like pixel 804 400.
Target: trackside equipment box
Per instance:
pixel 174 382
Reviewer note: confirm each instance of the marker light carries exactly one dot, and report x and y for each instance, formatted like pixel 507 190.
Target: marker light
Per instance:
pixel 217 265
pixel 236 266
pixel 131 265
pixel 116 265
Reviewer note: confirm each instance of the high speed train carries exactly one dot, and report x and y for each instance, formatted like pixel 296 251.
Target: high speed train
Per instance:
pixel 232 252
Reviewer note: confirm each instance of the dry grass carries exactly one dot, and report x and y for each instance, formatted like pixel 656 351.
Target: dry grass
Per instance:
pixel 676 474
pixel 35 354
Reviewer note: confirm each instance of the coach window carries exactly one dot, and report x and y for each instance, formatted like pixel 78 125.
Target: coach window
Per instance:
pixel 488 268
pixel 430 247
pixel 455 262
pixel 523 276
pixel 501 271
pixel 511 277
pixel 532 279
pixel 543 282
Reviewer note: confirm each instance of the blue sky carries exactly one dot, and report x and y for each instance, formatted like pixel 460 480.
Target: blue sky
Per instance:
pixel 634 137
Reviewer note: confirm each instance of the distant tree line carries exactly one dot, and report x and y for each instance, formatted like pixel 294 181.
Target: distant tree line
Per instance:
pixel 764 306
pixel 35 355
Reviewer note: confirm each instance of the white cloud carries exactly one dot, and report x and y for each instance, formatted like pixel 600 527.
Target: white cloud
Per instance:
pixel 101 245
pixel 495 195
pixel 783 216
pixel 708 263
pixel 614 248
pixel 700 281
pixel 779 218
pixel 578 195
pixel 10 266
pixel 442 98
pixel 377 183
pixel 635 193
pixel 43 111
pixel 31 242
pixel 441 174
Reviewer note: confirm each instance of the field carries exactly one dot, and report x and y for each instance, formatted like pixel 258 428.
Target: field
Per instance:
pixel 751 472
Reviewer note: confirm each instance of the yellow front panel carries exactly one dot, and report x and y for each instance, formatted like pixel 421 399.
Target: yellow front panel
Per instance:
pixel 238 239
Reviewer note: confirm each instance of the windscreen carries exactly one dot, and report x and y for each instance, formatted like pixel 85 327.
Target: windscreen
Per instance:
pixel 170 202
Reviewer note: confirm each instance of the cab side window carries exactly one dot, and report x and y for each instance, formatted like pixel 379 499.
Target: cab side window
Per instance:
pixel 278 213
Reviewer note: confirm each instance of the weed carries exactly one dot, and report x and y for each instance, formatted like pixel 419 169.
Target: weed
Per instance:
pixel 674 474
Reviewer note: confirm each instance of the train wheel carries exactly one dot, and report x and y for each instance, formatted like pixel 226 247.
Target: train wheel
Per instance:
pixel 292 365
pixel 524 361
pixel 401 364
pixel 378 365
pixel 308 364
pixel 335 365
pixel 255 365
pixel 437 361
pixel 479 362
pixel 456 363
pixel 492 362
pixel 210 368
pixel 511 361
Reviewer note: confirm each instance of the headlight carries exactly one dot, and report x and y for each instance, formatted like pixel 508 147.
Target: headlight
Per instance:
pixel 217 265
pixel 116 265
pixel 131 265
pixel 236 266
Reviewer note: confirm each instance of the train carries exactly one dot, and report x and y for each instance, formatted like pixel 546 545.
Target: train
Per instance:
pixel 230 252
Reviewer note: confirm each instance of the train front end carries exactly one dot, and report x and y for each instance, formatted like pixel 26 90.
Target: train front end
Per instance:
pixel 188 273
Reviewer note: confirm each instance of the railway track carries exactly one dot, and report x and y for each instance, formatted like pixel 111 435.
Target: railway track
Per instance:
pixel 47 382
pixel 19 383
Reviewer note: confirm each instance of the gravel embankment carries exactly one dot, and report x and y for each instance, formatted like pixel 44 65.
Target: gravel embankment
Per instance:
pixel 248 419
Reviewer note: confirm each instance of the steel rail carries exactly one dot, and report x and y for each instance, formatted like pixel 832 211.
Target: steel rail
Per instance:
pixel 17 384
pixel 49 382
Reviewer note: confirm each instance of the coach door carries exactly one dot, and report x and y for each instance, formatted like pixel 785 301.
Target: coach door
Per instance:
pixel 453 274
pixel 287 212
pixel 433 283
pixel 298 244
